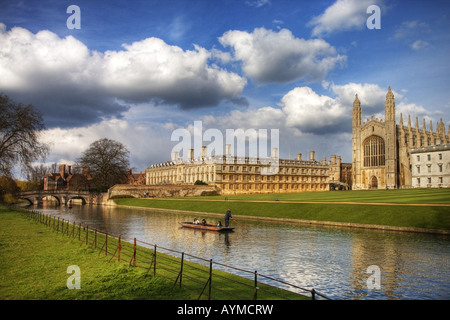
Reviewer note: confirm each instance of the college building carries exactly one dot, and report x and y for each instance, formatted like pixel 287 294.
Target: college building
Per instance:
pixel 384 153
pixel 245 175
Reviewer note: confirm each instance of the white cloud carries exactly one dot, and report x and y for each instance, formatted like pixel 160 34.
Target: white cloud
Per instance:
pixel 257 3
pixel 71 83
pixel 416 111
pixel 153 69
pixel 410 29
pixel 309 112
pixel 370 95
pixel 279 57
pixel 343 15
pixel 419 44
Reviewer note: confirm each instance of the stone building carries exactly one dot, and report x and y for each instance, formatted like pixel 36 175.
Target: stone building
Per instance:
pixel 66 180
pixel 381 149
pixel 244 175
pixel 430 166
pixel 135 178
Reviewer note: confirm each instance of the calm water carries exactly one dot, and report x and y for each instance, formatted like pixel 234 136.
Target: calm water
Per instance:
pixel 333 261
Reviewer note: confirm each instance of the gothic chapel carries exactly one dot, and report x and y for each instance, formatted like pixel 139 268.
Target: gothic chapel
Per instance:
pixel 381 149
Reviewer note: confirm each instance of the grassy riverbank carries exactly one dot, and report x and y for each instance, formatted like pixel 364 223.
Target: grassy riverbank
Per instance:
pixel 34 258
pixel 34 261
pixel 414 208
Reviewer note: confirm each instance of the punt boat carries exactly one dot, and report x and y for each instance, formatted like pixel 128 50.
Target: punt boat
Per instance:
pixel 207 227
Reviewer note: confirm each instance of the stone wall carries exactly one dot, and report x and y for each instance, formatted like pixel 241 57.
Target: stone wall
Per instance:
pixel 143 191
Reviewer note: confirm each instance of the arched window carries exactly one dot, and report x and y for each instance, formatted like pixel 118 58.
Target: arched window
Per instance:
pixel 373 148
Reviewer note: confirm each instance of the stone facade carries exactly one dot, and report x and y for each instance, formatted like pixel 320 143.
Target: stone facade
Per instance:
pixel 381 149
pixel 235 175
pixel 142 191
pixel 430 167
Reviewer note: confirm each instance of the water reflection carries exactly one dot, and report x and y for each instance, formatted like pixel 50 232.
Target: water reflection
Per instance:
pixel 334 261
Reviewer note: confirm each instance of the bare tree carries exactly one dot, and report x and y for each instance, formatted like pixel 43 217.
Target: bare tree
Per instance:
pixel 20 127
pixel 35 176
pixel 107 162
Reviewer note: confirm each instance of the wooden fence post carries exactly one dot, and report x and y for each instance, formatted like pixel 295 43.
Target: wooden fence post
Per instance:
pixel 210 279
pixel 154 261
pixel 106 243
pixel 119 247
pixel 134 252
pixel 255 294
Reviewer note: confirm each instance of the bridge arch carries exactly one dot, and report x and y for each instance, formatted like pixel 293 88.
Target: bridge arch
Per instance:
pixel 58 199
pixel 83 199
pixel 29 199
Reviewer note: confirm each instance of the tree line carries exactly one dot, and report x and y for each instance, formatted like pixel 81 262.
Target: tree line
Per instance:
pixel 106 160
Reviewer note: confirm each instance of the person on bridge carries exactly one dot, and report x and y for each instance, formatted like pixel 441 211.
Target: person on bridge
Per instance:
pixel 227 217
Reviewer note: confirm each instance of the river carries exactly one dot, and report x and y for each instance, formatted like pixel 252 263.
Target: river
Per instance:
pixel 342 263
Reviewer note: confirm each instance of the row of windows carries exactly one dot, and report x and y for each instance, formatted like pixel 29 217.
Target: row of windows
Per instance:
pixel 440 180
pixel 274 187
pixel 429 168
pixel 282 170
pixel 429 157
pixel 271 178
pixel 430 141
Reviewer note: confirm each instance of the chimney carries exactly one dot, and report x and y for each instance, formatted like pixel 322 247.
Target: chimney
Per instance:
pixel 191 154
pixel 333 159
pixel 204 152
pixel 311 156
pixel 339 160
pixel 299 156
pixel 274 152
pixel 62 170
pixel 228 150
pixel 174 156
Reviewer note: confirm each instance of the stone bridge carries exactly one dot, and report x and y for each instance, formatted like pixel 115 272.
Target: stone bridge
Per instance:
pixel 63 197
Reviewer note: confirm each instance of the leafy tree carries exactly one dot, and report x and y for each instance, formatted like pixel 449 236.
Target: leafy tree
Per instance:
pixel 20 127
pixel 108 163
pixel 8 188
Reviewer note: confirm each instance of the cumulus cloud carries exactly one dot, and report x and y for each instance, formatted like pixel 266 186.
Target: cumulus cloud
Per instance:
pixel 73 85
pixel 370 95
pixel 343 15
pixel 280 57
pixel 310 112
pixel 153 69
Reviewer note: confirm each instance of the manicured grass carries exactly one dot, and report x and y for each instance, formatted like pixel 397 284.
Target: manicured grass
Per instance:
pixel 329 206
pixel 34 258
pixel 419 196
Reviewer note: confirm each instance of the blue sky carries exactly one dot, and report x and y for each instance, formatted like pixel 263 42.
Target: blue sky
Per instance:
pixel 137 70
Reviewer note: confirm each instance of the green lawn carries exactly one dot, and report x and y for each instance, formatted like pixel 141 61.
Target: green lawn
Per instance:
pixel 34 261
pixel 419 196
pixel 34 258
pixel 328 206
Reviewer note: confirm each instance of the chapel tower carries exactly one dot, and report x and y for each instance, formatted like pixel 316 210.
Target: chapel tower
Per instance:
pixel 356 143
pixel 390 141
